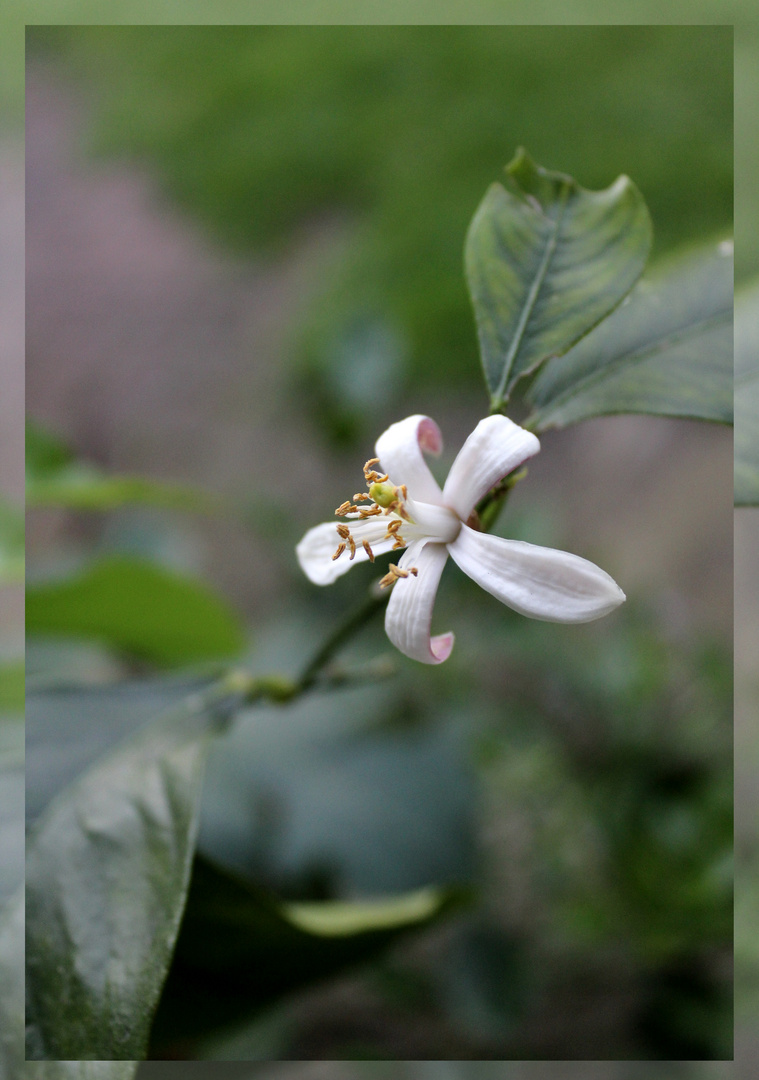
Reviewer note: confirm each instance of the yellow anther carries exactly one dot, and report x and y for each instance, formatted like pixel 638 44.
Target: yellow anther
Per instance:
pixel 338 553
pixel 343 532
pixel 368 550
pixel 395 572
pixel 352 544
pixel 345 508
pixel 361 497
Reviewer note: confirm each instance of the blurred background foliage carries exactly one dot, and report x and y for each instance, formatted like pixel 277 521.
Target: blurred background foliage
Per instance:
pixel 251 132
pixel 579 782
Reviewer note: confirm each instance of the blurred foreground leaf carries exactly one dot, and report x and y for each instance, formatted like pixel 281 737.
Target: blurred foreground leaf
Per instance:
pixel 12 988
pixel 666 351
pixel 108 867
pixel 142 609
pixel 12 687
pixel 55 478
pixel 747 396
pixel 545 261
pixel 239 949
pixel 80 1070
pixel 11 543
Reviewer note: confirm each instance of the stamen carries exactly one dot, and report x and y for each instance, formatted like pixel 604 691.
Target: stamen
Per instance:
pixel 352 544
pixel 371 512
pixel 345 508
pixel 395 572
pixel 404 492
pixel 338 553
pixel 343 532
pixel 362 495
pixel 368 550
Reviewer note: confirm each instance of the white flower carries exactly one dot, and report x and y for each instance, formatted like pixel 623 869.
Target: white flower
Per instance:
pixel 406 508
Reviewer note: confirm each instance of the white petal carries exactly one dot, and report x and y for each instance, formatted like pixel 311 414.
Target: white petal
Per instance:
pixel 496 446
pixel 317 547
pixel 536 581
pixel 409 610
pixel 436 523
pixel 400 452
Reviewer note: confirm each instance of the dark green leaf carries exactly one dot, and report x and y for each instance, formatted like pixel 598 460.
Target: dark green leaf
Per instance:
pixel 666 351
pixel 69 728
pixel 138 607
pixel 107 872
pixel 545 261
pixel 239 949
pixel 323 790
pixel 747 396
pixel 12 987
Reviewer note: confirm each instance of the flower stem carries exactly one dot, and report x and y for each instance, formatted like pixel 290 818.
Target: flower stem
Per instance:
pixel 345 630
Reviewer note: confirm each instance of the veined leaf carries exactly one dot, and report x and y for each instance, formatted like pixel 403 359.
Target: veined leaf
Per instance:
pixel 668 350
pixel 747 396
pixel 546 260
pixel 108 867
pixel 240 949
pixel 140 608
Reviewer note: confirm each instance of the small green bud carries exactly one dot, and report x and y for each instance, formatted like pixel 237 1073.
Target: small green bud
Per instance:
pixel 383 494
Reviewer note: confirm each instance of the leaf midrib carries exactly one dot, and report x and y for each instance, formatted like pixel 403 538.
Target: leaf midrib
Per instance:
pixel 532 296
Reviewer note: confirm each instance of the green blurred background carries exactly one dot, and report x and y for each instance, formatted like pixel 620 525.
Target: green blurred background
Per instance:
pixel 244 258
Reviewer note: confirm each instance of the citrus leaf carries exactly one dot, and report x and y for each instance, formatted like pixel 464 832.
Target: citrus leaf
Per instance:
pixel 747 396
pixel 668 351
pixel 240 948
pixel 545 261
pixel 108 867
pixel 145 610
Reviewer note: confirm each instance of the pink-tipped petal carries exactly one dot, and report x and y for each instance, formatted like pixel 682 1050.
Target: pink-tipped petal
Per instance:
pixel 409 610
pixel 317 547
pixel 495 448
pixel 536 581
pixel 400 452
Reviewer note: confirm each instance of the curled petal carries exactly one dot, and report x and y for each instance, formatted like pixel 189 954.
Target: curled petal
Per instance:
pixel 317 547
pixel 536 581
pixel 409 610
pixel 495 448
pixel 400 452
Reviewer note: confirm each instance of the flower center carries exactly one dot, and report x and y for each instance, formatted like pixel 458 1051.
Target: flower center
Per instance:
pixel 385 499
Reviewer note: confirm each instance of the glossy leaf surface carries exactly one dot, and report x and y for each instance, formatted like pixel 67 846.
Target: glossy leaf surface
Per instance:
pixel 666 351
pixel 545 261
pixel 108 867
